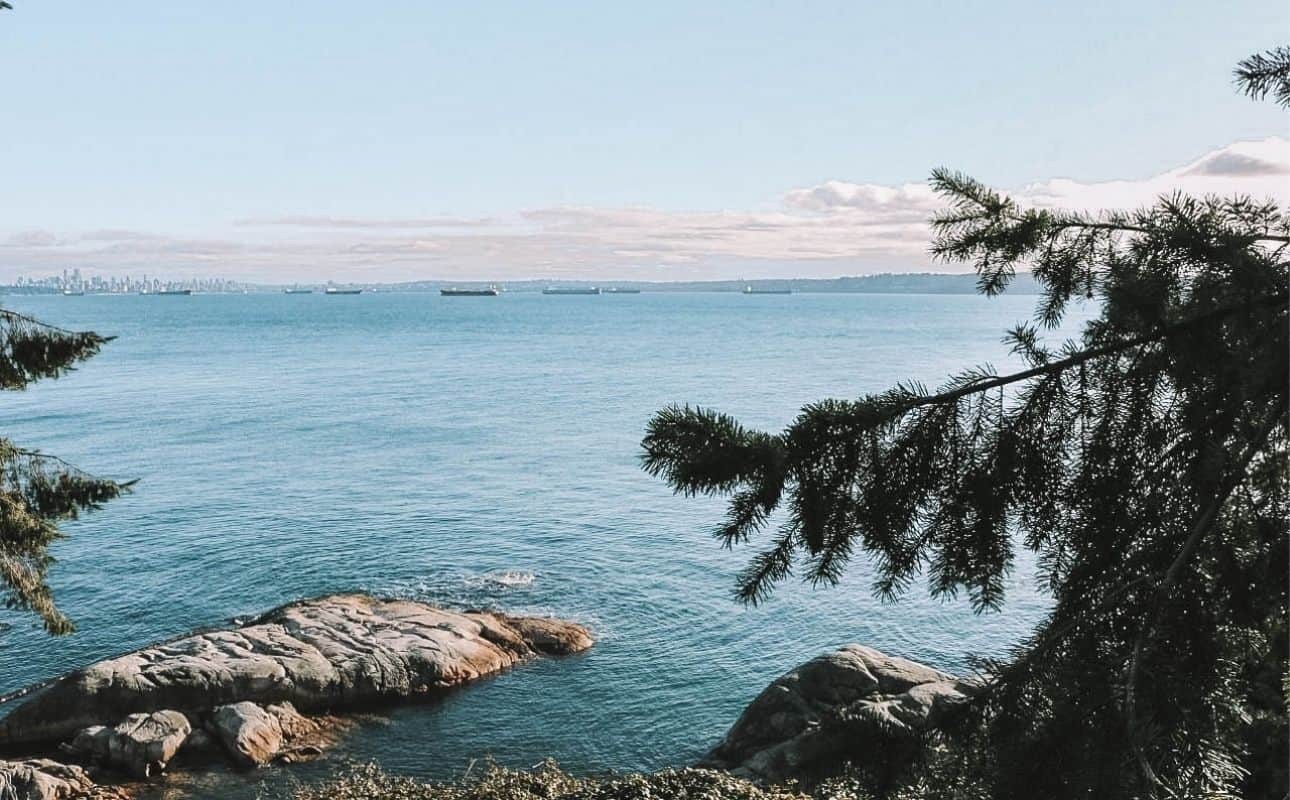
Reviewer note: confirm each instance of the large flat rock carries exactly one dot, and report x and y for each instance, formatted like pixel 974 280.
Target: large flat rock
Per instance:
pixel 335 652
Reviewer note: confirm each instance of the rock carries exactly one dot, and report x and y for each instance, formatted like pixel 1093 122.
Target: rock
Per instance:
pixel 254 735
pixel 250 734
pixel 199 741
pixel 294 725
pixel 41 779
pixel 141 745
pixel 333 652
pixel 853 702
pixel 298 754
pixel 90 743
pixel 551 636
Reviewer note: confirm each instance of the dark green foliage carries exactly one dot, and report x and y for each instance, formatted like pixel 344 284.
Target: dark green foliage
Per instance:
pixel 31 350
pixel 1266 73
pixel 1143 464
pixel 37 491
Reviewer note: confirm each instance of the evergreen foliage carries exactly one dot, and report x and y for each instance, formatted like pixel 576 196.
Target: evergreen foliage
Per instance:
pixel 1144 464
pixel 1266 73
pixel 37 491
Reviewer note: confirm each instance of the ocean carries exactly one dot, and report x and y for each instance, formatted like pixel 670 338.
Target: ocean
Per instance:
pixel 476 452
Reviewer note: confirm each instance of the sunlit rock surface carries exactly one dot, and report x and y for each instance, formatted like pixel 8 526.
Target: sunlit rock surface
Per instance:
pixel 42 779
pixel 334 652
pixel 854 702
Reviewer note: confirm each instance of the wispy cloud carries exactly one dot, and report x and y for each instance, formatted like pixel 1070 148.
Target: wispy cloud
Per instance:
pixel 832 228
pixel 30 240
pixel 361 223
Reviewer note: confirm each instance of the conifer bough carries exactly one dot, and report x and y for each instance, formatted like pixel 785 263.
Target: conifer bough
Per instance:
pixel 37 491
pixel 1144 464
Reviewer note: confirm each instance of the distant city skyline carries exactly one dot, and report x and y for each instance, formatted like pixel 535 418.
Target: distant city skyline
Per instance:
pixel 511 142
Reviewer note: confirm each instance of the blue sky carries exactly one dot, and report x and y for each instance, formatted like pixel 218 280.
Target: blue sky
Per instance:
pixel 437 123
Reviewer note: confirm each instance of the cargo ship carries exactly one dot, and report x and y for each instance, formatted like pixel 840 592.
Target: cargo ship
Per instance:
pixel 491 291
pixel 297 291
pixel 184 292
pixel 618 290
pixel 335 290
pixel 756 290
pixel 571 290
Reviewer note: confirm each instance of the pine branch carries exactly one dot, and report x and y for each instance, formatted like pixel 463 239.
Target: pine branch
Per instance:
pixel 1204 521
pixel 1083 356
pixel 1266 73
pixel 31 350
pixel 36 491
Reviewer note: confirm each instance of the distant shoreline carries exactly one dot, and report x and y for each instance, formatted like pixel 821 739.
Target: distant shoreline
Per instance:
pixel 886 283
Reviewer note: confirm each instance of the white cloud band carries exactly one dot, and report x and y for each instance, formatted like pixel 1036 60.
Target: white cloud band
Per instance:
pixel 834 228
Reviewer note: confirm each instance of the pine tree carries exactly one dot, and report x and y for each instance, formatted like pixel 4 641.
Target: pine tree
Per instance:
pixel 37 490
pixel 1144 464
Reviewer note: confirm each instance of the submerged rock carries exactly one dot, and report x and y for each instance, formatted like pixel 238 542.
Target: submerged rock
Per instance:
pixel 833 707
pixel 334 652
pixel 42 779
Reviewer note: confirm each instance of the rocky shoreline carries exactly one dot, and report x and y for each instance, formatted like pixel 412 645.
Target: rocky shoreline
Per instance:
pixel 270 690
pixel 240 691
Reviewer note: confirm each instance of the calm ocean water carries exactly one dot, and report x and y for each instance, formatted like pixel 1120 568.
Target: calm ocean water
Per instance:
pixel 476 451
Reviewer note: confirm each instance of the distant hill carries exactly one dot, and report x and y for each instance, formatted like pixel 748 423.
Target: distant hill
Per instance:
pixel 886 283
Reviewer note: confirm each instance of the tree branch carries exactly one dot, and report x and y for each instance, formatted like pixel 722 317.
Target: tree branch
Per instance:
pixel 1199 528
pixel 14 316
pixel 1163 331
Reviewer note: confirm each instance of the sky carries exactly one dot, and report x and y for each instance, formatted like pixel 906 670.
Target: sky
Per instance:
pixel 404 140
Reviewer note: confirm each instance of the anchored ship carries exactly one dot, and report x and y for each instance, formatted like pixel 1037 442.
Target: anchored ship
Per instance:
pixel 335 290
pixel 619 290
pixel 491 291
pixel 176 291
pixel 297 291
pixel 571 290
pixel 756 290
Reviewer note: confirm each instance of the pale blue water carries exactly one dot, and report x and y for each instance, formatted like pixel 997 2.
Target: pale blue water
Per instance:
pixel 415 445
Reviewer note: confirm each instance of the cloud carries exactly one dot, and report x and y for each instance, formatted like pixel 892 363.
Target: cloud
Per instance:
pixel 902 201
pixel 836 227
pixel 31 239
pixel 1253 168
pixel 115 235
pixel 348 223
pixel 1265 159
